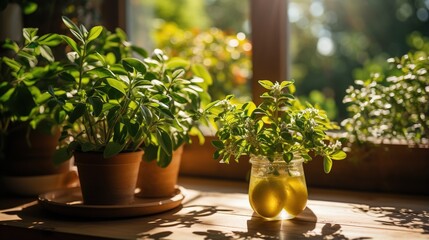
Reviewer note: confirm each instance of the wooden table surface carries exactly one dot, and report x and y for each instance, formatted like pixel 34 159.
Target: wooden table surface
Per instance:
pixel 216 209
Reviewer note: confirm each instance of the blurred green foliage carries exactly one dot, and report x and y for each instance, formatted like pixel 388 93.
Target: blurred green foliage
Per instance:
pixel 226 56
pixel 211 32
pixel 336 41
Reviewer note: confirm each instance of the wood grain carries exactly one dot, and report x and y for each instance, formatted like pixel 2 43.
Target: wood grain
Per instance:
pixel 216 209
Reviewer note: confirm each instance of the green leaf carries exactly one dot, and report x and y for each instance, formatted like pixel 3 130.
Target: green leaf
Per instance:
pixel 116 84
pixel 61 155
pixel 67 76
pixel 327 164
pixel 87 146
pixel 177 62
pixel 102 72
pixel 134 63
pixel 140 51
pixel 178 73
pixel 150 153
pixel 338 155
pixel 286 136
pixel 165 141
pixel 32 60
pixel 50 39
pixel 46 52
pixel 97 105
pixel 14 65
pixel 22 101
pixel 164 158
pixel 29 34
pixel 78 36
pixel 218 144
pixel 202 72
pixel 7 95
pixel 71 43
pixel 77 112
pixel 133 129
pixel 267 84
pixel 29 7
pixel 11 45
pixel 284 84
pixel 59 116
pixel 287 157
pixel 94 33
pixel 70 24
pixel 112 148
pixel 216 154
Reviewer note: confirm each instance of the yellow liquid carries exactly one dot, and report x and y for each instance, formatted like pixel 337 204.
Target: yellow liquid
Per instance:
pixel 269 196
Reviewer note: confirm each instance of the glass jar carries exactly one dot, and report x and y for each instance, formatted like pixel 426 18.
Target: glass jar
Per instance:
pixel 277 189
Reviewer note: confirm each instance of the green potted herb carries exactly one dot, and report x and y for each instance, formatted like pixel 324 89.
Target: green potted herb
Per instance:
pixel 117 105
pixel 388 126
pixel 184 86
pixel 111 111
pixel 278 135
pixel 29 130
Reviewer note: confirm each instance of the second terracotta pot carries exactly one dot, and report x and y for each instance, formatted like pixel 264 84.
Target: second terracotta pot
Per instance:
pixel 110 181
pixel 154 181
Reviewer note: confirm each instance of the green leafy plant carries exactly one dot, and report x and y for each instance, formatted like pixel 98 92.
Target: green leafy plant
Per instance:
pixel 116 103
pixel 26 71
pixel 391 105
pixel 279 128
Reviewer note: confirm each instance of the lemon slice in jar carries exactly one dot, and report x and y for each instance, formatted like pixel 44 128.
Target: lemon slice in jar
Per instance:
pixel 267 197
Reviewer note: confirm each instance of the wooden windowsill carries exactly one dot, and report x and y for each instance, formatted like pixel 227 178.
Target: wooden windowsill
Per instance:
pixel 219 209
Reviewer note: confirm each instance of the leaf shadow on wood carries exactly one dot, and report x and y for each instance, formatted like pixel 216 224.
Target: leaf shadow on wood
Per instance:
pixel 399 217
pixel 259 228
pixel 192 216
pixel 186 220
pixel 331 231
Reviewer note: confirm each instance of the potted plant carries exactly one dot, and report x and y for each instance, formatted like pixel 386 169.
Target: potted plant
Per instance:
pixel 388 126
pixel 278 135
pixel 111 112
pixel 185 87
pixel 119 105
pixel 29 130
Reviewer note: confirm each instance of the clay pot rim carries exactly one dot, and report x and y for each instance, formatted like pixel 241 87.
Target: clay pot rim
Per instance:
pixel 97 158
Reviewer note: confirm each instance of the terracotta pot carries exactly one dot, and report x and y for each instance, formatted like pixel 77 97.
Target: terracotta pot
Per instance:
pixel 32 156
pixel 110 181
pixel 154 181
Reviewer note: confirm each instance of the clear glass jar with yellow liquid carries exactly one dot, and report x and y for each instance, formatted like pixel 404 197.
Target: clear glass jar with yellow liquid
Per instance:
pixel 277 189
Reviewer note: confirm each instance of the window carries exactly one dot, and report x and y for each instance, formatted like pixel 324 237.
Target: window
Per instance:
pixel 269 46
pixel 334 42
pixel 214 33
pixel 323 45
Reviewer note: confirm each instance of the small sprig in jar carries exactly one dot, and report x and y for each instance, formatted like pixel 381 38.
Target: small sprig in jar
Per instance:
pixel 278 135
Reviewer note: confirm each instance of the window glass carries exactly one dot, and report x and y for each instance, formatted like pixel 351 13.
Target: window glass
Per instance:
pixel 211 32
pixel 334 42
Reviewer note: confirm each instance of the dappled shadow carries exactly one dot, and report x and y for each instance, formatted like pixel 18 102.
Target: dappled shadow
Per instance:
pixel 259 228
pixel 399 217
pixel 331 231
pixel 156 236
pixel 188 219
